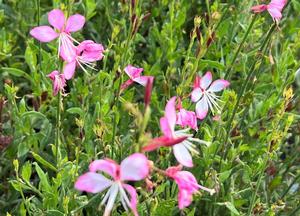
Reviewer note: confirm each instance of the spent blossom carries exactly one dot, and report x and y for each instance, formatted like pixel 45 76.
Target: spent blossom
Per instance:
pixel 204 95
pixel 62 30
pixel 186 118
pixel 133 168
pixel 187 185
pixel 58 81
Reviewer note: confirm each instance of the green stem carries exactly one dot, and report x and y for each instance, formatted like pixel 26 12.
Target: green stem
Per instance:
pixel 57 127
pixel 287 190
pixel 228 72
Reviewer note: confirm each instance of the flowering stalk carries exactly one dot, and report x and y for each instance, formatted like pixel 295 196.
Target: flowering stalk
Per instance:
pixel 57 140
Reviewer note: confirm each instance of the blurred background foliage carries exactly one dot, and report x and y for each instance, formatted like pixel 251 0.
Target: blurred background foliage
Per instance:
pixel 253 159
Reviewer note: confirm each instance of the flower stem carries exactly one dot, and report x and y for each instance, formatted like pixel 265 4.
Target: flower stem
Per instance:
pixel 57 127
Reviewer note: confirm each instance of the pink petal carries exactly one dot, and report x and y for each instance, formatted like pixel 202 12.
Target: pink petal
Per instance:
pixel 148 90
pixel 162 141
pixel 133 195
pixel 218 85
pixel 197 82
pixel 278 4
pixel 205 81
pixel 53 74
pixel 108 166
pixel 275 13
pixel 126 84
pixel 43 33
pixel 165 127
pixel 170 113
pixel 57 19
pixel 202 108
pixel 259 8
pixel 92 182
pixel 186 181
pixel 134 168
pixel 196 94
pixel 133 72
pixel 69 70
pixel 185 198
pixel 142 80
pixel 67 48
pixel 187 118
pixel 75 23
pixel 182 155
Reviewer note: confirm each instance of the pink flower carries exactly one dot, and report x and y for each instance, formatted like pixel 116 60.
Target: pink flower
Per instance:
pixel 58 81
pixel 187 185
pixel 274 8
pixel 133 168
pixel 204 95
pixel 135 76
pixel 180 141
pixel 148 90
pixel 62 30
pixel 86 53
pixel 187 118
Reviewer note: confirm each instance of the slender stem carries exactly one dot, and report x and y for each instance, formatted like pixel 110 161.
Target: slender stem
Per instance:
pixel 228 72
pixel 257 186
pixel 57 127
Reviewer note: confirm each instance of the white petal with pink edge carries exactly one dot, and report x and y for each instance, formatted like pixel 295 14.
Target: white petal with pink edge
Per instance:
pixel 109 167
pixel 196 94
pixel 182 155
pixel 92 182
pixel 205 81
pixel 202 108
pixel 218 85
pixel 134 168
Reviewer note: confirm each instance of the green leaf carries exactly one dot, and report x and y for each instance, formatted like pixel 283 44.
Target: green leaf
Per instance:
pixel 230 206
pixel 43 161
pixel 211 64
pixel 30 58
pixel 44 184
pixel 17 72
pixel 26 171
pixel 76 110
pixel 165 208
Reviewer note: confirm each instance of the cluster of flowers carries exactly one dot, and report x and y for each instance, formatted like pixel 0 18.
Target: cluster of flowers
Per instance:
pixel 137 167
pixel 84 54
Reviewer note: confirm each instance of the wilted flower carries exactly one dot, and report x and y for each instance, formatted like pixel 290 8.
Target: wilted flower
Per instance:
pixel 58 81
pixel 274 8
pixel 135 76
pixel 133 168
pixel 204 95
pixel 187 185
pixel 186 118
pixel 86 53
pixel 63 29
pixel 180 140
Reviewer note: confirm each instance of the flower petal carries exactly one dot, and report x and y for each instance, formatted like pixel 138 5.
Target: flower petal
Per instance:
pixel 142 80
pixel 133 72
pixel 259 8
pixel 165 127
pixel 187 118
pixel 275 13
pixel 43 33
pixel 205 81
pixel 218 85
pixel 162 141
pixel 185 198
pixel 53 74
pixel 126 84
pixel 182 155
pixel 202 108
pixel 75 23
pixel 170 113
pixel 69 70
pixel 92 182
pixel 133 195
pixel 134 168
pixel 196 94
pixel 57 19
pixel 108 166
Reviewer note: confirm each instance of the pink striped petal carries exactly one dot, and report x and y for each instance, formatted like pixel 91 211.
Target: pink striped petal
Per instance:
pixel 182 155
pixel 75 23
pixel 196 94
pixel 218 85
pixel 259 8
pixel 126 84
pixel 43 33
pixel 133 198
pixel 108 166
pixel 134 168
pixel 202 108
pixel 69 70
pixel 92 182
pixel 133 72
pixel 205 81
pixel 57 19
pixel 162 141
